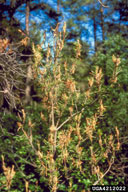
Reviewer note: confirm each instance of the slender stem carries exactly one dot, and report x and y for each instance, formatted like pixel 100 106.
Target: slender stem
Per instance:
pixel 69 118
pixel 104 173
pixel 102 4
pixel 53 124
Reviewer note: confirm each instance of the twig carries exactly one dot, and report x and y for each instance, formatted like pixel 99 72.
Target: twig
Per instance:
pixel 2 186
pixel 68 119
pixel 104 173
pixel 103 4
pixel 27 162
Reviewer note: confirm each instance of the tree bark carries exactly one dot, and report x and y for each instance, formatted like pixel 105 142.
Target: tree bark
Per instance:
pixel 27 16
pixel 94 28
pixel 28 85
pixel 102 22
pixel 29 68
pixel 58 7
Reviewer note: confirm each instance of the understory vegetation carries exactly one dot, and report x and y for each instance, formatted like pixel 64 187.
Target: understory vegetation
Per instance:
pixel 63 115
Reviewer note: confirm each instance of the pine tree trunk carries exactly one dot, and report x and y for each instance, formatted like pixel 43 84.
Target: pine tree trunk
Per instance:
pixel 58 6
pixel 27 17
pixel 102 23
pixel 29 68
pixel 94 28
pixel 28 85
